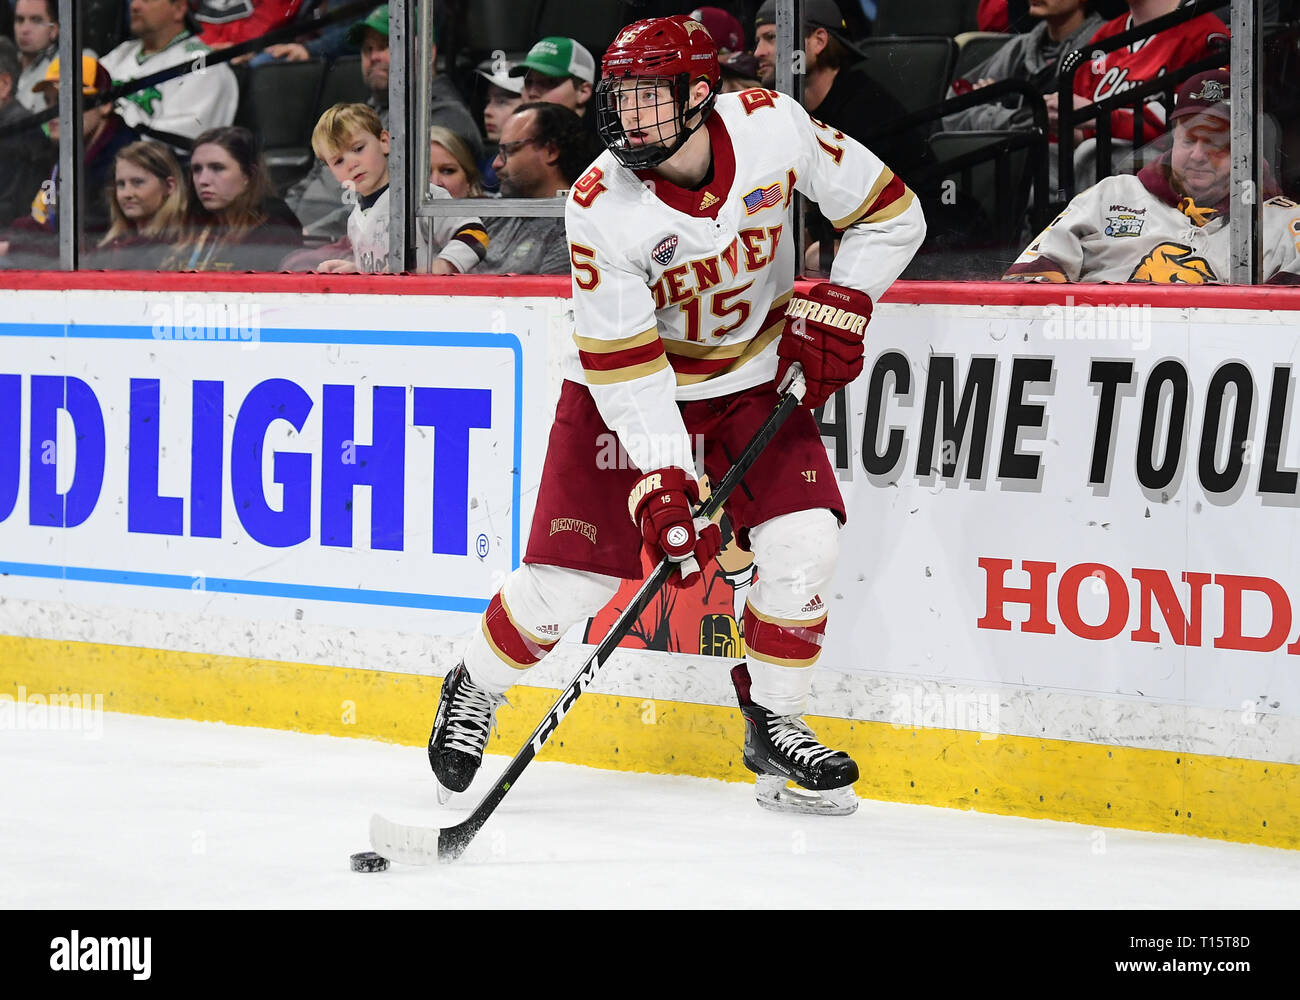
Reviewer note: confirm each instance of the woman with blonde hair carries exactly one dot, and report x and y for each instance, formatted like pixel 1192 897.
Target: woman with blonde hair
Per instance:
pixel 148 204
pixel 451 164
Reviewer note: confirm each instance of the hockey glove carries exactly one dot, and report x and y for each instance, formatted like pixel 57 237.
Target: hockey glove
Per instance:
pixel 824 332
pixel 660 505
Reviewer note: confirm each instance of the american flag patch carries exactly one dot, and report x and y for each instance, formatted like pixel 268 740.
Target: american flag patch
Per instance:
pixel 761 198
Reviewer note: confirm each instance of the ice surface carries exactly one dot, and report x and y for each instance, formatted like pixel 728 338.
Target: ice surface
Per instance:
pixel 172 814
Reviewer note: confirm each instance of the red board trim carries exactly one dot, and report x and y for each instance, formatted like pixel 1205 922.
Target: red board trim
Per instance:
pixel 990 293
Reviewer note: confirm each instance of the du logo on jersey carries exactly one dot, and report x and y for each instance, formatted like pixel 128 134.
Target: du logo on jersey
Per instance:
pixel 665 249
pixel 1124 225
pixel 761 198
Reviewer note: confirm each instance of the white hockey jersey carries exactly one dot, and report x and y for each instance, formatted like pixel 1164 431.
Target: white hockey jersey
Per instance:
pixel 187 105
pixel 459 240
pixel 1137 228
pixel 679 294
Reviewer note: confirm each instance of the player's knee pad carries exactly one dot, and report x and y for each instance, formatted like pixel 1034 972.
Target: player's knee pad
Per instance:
pixel 785 616
pixel 795 557
pixel 548 600
pixel 537 605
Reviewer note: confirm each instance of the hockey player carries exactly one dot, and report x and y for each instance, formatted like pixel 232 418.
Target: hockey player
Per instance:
pixel 683 268
pixel 1169 223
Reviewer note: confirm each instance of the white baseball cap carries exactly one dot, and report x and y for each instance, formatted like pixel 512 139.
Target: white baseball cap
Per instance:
pixel 497 73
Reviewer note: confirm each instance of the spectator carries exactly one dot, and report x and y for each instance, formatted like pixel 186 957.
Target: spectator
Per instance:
pixel 224 23
pixel 1063 26
pixel 722 26
pixel 504 94
pixel 1169 223
pixel 452 166
pixel 318 198
pixel 739 72
pixel 329 44
pixel 25 157
pixel 1125 68
pixel 34 238
pixel 236 223
pixel 558 71
pixel 354 145
pixel 149 205
pixel 843 98
pixel 36 30
pixel 176 111
pixel 544 149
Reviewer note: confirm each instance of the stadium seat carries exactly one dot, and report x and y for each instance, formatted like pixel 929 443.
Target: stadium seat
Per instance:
pixel 342 85
pixel 282 98
pixel 915 71
pixel 974 47
pixel 501 25
pixel 1002 201
pixel 934 17
pixel 592 24
pixel 103 25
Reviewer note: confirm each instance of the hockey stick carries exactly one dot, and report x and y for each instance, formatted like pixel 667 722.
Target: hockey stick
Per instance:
pixel 424 845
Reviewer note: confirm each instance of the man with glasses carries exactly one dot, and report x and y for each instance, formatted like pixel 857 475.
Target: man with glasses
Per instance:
pixel 544 148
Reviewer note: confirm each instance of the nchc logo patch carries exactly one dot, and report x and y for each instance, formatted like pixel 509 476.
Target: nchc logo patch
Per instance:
pixel 761 198
pixel 665 249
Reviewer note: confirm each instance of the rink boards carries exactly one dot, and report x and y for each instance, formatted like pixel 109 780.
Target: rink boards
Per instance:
pixel 1068 585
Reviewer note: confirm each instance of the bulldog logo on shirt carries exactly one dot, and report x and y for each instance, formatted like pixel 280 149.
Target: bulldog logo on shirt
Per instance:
pixel 1174 264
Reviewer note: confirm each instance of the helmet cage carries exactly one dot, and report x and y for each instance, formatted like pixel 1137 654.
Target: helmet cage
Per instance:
pixel 640 156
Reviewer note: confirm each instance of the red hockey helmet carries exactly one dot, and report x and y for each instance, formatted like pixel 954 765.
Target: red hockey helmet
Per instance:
pixel 672 52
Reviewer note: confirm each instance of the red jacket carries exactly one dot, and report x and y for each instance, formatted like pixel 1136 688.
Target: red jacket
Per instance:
pixel 1141 62
pixel 229 22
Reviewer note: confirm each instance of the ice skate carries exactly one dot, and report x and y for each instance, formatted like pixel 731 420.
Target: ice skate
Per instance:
pixel 796 772
pixel 466 716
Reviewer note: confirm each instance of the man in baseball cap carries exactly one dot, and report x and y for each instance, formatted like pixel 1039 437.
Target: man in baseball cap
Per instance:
pixel 825 39
pixel 558 70
pixel 1200 163
pixel 1168 224
pixel 94 80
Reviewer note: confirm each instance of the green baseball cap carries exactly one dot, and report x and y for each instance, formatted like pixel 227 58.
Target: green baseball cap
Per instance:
pixel 557 56
pixel 377 21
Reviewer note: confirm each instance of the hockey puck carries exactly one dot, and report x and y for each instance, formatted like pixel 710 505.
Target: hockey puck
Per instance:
pixel 369 861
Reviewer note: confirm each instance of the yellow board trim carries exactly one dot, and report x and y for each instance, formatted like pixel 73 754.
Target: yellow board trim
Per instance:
pixel 1163 791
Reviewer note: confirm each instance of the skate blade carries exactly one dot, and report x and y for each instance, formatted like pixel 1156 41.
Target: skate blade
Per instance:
pixel 776 793
pixel 444 793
